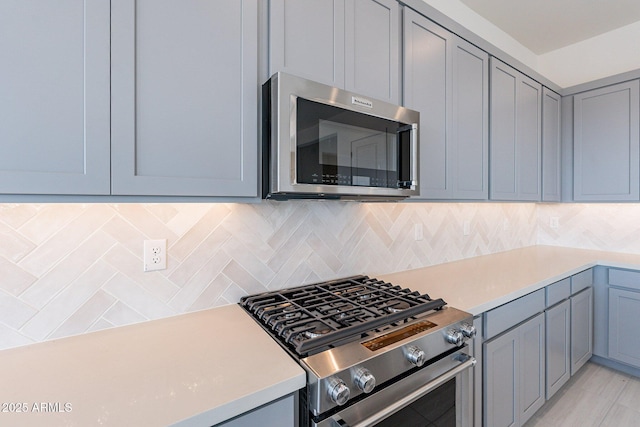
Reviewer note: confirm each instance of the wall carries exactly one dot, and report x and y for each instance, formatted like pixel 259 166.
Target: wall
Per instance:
pixel 605 226
pixel 70 269
pixel 475 23
pixel 602 56
pixel 605 55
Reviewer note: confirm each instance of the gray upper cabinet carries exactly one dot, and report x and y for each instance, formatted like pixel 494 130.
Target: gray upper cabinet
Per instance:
pixel 446 79
pixel 606 144
pixel 54 97
pixel 372 48
pixel 344 43
pixel 184 97
pixel 515 129
pixel 307 39
pixel 551 148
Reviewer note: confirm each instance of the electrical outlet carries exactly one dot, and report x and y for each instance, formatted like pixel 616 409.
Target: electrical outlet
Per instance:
pixel 466 228
pixel 155 255
pixel 417 232
pixel 554 222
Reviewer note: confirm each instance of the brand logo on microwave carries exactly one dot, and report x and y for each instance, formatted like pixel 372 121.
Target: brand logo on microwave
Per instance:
pixel 363 102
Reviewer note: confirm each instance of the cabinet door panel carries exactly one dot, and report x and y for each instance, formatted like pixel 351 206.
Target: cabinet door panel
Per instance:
pixel 558 339
pixel 307 39
pixel 624 310
pixel 372 48
pixel 184 103
pixel 470 122
pixel 516 141
pixel 428 89
pixel 446 79
pixel 528 140
pixel 504 82
pixel 551 154
pixel 607 143
pixel 54 97
pixel 501 380
pixel 532 367
pixel 581 329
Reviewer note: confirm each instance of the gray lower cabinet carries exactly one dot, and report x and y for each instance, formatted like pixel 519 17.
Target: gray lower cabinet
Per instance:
pixel 606 143
pixel 551 148
pixel 351 44
pixel 624 315
pixel 446 79
pixel 54 97
pixel 279 413
pixel 581 328
pixel 184 97
pixel 515 129
pixel 514 374
pixel 558 346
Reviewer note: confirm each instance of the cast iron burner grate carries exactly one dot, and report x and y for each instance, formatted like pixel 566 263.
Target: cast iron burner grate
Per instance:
pixel 311 318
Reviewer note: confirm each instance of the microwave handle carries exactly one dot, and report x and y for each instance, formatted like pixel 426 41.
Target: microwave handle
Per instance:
pixel 413 155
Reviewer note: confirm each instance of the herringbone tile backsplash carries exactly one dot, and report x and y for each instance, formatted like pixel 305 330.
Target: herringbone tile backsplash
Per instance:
pixel 71 268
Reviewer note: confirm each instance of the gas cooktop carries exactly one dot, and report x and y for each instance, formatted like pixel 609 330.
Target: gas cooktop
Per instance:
pixel 313 318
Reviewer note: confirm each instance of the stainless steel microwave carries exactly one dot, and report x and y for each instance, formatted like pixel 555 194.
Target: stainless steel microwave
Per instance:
pixel 324 142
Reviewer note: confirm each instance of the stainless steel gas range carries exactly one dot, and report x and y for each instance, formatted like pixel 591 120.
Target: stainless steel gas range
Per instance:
pixel 375 353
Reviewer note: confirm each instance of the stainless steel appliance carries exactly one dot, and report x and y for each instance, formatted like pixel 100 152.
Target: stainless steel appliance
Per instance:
pixel 323 142
pixel 375 354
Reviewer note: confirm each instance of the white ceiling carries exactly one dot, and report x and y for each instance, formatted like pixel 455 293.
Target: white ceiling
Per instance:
pixel 546 25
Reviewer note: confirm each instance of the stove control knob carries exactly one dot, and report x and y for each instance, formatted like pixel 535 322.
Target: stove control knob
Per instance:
pixel 338 391
pixel 364 380
pixel 416 356
pixel 468 330
pixel 454 337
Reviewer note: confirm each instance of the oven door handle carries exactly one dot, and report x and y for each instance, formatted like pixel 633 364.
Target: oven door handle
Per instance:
pixel 467 362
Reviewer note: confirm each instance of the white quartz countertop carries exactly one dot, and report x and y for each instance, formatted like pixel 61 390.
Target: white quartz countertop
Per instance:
pixel 197 369
pixel 203 368
pixel 481 283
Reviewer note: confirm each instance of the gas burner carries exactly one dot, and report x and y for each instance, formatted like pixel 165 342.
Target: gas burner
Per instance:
pixel 344 311
pixel 282 306
pixel 395 306
pixel 316 329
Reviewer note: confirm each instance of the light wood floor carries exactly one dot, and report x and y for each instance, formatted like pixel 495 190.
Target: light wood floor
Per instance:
pixel 595 396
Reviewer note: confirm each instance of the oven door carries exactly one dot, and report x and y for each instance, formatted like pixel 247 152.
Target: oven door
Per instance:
pixel 436 395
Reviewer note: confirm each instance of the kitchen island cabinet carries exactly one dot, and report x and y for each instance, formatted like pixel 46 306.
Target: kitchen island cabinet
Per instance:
pixel 446 80
pixel 349 44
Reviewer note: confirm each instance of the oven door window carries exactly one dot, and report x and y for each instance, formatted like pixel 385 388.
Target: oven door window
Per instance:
pixel 335 146
pixel 436 409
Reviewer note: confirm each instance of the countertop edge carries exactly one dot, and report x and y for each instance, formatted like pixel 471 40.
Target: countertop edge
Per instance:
pixel 245 404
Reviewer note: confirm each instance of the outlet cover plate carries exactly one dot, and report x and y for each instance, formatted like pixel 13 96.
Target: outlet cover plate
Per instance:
pixel 155 255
